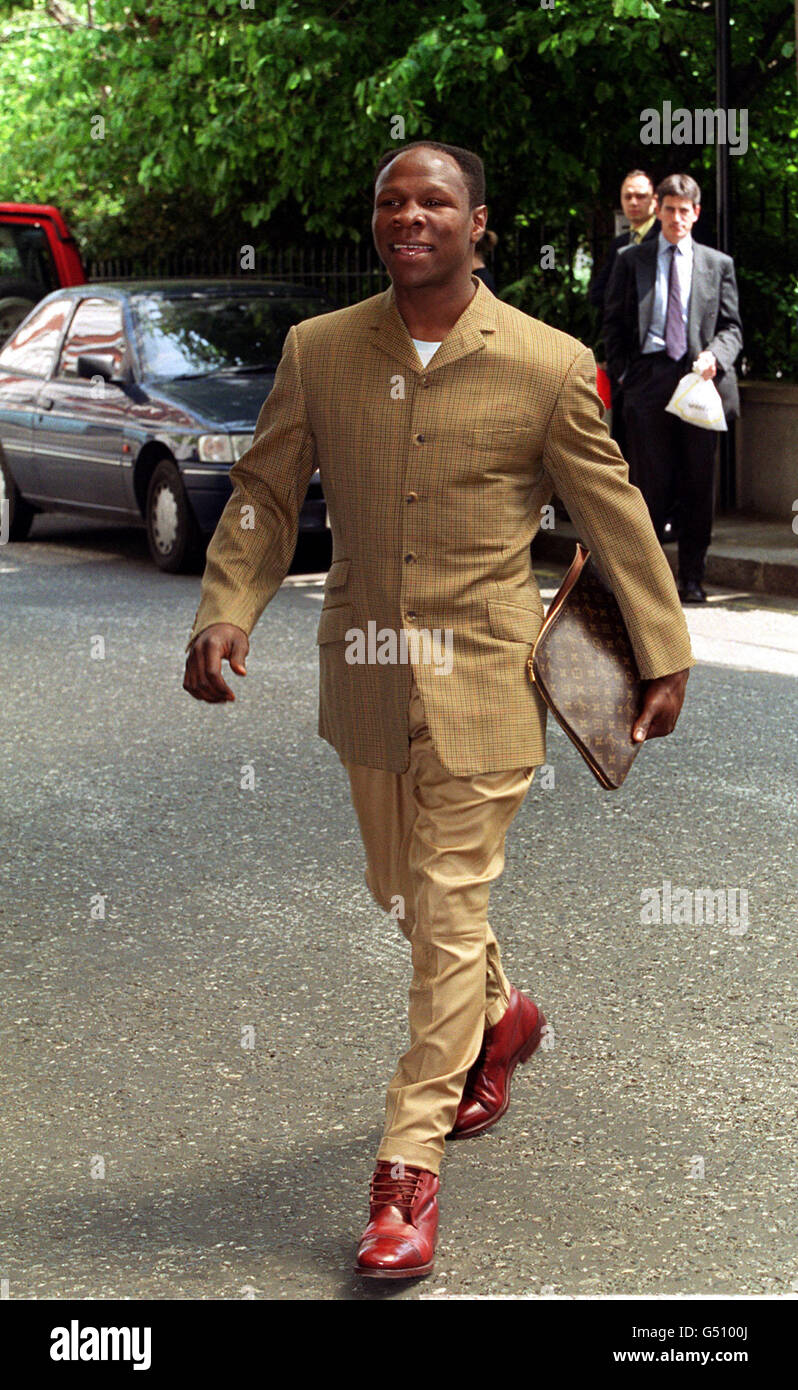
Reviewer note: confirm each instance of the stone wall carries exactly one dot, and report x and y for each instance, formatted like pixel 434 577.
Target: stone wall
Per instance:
pixel 767 449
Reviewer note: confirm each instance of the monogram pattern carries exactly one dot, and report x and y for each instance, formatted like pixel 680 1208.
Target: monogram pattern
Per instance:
pixel 585 669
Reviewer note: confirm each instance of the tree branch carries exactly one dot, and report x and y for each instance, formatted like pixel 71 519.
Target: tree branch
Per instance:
pixel 745 78
pixel 68 21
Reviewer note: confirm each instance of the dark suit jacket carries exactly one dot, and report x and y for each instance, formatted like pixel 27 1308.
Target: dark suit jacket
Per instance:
pixel 713 321
pixel 599 283
pixel 486 276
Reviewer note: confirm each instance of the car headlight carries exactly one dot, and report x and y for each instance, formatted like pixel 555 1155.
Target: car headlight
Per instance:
pixel 240 443
pixel 223 448
pixel 215 448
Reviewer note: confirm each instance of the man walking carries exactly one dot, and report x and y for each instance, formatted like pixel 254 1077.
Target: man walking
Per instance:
pixel 640 209
pixel 441 420
pixel 672 303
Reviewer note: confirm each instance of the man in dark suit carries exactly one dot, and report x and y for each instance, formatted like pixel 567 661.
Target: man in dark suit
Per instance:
pixel 672 305
pixel 639 207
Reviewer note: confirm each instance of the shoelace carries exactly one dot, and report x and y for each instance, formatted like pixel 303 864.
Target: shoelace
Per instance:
pixel 401 1192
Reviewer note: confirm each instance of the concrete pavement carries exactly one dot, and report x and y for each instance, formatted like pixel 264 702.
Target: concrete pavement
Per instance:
pixel 194 1079
pixel 747 553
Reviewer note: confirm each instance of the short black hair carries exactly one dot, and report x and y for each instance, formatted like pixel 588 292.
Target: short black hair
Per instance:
pixel 469 164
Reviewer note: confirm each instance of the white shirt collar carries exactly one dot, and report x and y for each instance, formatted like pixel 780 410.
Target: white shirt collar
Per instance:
pixel 684 247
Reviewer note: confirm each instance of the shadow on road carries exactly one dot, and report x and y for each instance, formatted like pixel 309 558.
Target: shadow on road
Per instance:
pixel 129 543
pixel 285 1223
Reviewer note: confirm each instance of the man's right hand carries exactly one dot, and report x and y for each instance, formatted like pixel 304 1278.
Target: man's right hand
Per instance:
pixel 203 678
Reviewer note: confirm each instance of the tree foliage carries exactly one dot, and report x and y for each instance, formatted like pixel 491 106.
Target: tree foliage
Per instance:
pixel 274 114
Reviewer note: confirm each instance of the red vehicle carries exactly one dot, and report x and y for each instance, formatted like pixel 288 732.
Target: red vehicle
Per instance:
pixel 603 387
pixel 37 254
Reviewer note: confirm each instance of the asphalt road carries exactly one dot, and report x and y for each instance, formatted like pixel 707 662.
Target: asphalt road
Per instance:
pixel 146 1153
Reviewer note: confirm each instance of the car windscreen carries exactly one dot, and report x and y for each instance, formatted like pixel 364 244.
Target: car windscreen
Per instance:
pixel 196 335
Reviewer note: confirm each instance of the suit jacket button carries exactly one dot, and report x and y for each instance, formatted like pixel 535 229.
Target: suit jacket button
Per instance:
pixel 412 497
pixel 410 557
pixel 418 439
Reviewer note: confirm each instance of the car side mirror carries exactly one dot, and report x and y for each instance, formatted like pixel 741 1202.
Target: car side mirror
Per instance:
pixel 89 367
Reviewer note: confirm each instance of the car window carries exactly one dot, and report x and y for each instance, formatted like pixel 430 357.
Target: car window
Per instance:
pixel 196 334
pixel 97 329
pixel 33 347
pixel 25 255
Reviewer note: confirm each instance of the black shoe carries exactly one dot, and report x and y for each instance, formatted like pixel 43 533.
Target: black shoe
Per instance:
pixel 691 592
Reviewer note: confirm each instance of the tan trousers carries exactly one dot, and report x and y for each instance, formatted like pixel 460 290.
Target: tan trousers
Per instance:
pixel 434 843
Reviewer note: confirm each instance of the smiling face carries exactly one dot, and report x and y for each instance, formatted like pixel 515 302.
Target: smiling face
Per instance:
pixel 424 229
pixel 677 216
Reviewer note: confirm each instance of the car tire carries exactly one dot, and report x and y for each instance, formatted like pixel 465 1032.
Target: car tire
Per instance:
pixel 20 512
pixel 172 532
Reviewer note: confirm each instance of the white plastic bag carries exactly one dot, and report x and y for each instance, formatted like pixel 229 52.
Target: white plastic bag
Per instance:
pixel 697 401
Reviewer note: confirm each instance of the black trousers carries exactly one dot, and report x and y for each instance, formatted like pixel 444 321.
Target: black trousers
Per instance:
pixel 618 430
pixel 671 462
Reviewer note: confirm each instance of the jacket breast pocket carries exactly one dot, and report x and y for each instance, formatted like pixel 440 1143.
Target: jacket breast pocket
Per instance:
pixel 511 623
pixel 499 439
pixel 334 624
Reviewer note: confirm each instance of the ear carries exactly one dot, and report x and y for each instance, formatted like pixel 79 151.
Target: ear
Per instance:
pixel 479 221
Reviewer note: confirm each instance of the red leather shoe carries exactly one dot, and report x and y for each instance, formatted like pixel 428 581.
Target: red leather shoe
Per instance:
pixel 486 1094
pixel 399 1241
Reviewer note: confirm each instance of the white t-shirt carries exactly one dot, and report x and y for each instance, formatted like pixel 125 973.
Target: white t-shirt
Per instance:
pixel 425 350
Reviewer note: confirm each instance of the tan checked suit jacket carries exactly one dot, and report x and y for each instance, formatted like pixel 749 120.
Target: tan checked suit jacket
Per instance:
pixel 434 479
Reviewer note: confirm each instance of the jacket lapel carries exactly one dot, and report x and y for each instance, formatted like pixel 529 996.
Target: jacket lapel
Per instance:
pixel 697 297
pixel 389 333
pixel 646 279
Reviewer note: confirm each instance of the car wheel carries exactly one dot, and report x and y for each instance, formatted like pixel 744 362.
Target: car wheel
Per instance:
pixel 15 513
pixel 172 531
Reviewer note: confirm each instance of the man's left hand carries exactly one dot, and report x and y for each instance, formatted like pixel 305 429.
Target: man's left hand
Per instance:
pixel 706 365
pixel 663 701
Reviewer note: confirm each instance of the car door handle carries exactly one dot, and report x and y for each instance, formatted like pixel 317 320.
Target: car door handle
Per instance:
pixel 46 403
